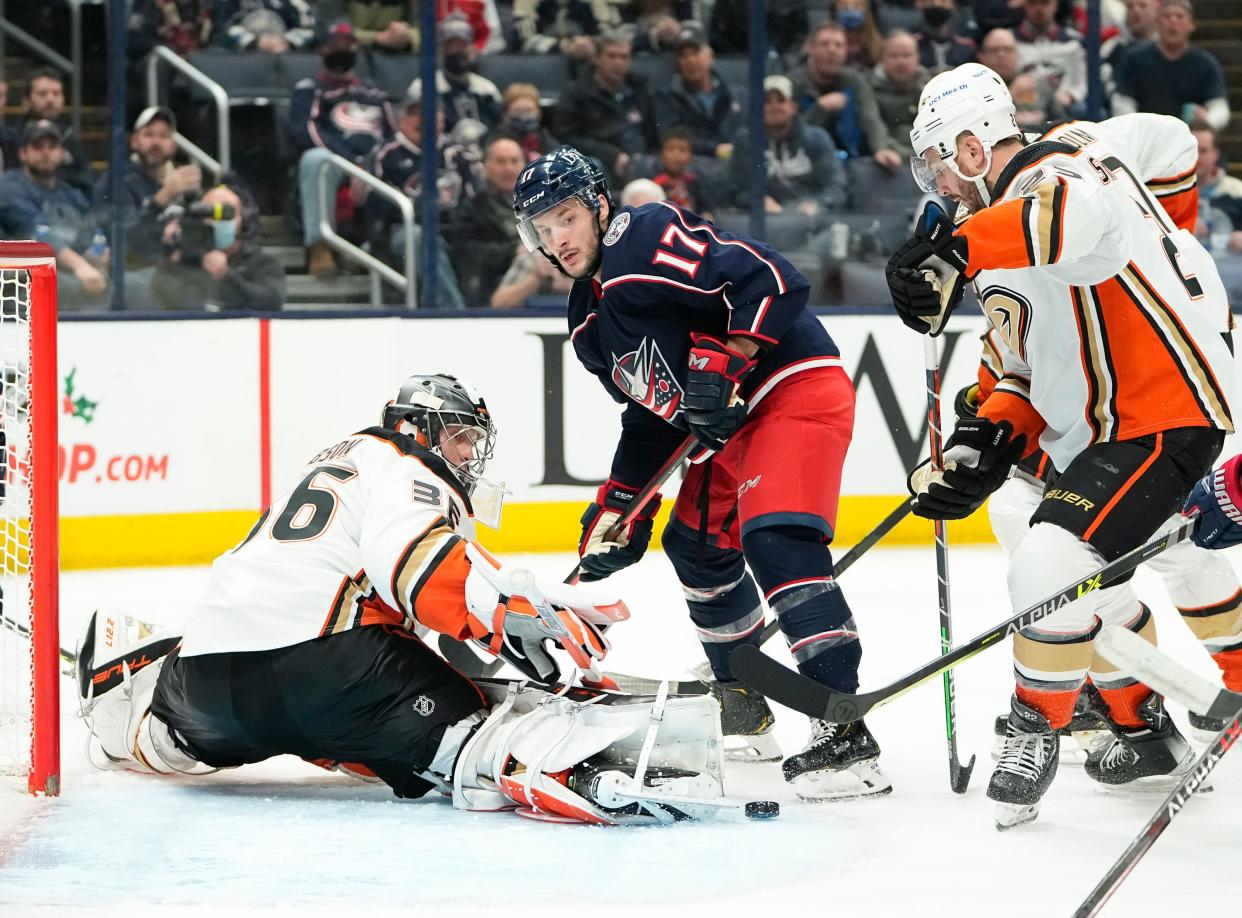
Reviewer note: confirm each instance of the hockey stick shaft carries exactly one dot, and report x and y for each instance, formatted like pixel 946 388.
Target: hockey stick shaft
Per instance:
pixel 959 776
pixel 1153 668
pixel 804 694
pixel 67 655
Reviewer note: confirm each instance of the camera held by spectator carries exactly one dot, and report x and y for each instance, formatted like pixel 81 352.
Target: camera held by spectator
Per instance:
pixel 212 256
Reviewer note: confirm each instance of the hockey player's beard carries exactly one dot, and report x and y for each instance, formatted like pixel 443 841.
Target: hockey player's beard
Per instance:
pixel 591 266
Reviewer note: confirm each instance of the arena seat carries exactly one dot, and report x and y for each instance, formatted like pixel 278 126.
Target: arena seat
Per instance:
pixel 550 72
pixel 393 73
pixel 876 190
pixel 245 77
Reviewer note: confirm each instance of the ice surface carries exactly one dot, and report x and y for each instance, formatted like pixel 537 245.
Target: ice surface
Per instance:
pixel 283 836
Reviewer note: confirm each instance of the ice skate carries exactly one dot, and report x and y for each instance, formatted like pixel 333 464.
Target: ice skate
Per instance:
pixel 1088 728
pixel 1027 765
pixel 840 762
pixel 668 793
pixel 746 721
pixel 1155 750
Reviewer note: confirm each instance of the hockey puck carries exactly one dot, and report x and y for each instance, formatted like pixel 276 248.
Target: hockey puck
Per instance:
pixel 762 809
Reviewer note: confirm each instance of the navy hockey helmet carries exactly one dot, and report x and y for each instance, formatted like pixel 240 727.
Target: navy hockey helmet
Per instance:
pixel 550 180
pixel 442 409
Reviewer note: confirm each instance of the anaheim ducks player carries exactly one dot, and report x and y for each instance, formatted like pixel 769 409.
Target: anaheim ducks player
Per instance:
pixel 1112 324
pixel 305 644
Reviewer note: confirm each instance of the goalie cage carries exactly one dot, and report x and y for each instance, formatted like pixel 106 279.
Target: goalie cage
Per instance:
pixel 29 471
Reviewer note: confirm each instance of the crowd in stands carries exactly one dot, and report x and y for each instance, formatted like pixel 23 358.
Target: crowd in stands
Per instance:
pixel 647 94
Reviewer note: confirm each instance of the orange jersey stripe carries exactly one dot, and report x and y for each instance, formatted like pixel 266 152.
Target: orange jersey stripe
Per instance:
pixel 1008 406
pixel 439 597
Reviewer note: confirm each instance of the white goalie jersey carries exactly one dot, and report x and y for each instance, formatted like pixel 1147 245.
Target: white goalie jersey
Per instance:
pixel 374 533
pixel 1110 320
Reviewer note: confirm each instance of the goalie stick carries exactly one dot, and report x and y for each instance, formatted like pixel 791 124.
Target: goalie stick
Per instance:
pixel 805 695
pixel 1156 670
pixel 959 774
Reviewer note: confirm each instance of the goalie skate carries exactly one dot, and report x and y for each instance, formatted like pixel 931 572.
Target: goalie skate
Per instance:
pixel 840 762
pixel 746 722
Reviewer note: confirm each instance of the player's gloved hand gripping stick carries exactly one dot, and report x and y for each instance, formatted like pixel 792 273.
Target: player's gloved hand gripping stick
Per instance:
pixel 927 274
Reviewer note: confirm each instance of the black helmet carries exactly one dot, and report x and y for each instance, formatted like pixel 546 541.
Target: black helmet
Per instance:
pixel 433 404
pixel 551 179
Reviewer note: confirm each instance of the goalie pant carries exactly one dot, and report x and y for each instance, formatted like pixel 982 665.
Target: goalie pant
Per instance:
pixel 380 699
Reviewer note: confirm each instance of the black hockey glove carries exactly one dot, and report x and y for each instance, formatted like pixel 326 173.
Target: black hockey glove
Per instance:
pixel 599 559
pixel 977 460
pixel 926 275
pixel 716 373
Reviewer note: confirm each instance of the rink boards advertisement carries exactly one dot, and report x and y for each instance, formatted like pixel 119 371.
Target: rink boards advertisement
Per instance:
pixel 175 434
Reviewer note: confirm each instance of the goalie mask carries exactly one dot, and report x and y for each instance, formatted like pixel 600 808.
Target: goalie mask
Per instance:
pixel 450 419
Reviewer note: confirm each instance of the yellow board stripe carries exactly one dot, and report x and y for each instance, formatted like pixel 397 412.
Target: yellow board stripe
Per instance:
pixel 158 539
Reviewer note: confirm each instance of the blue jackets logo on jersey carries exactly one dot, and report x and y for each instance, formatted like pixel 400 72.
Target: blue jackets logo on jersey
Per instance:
pixel 644 375
pixel 617 228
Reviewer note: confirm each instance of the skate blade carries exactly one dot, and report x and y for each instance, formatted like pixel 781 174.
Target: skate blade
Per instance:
pixel 854 782
pixel 1011 815
pixel 756 749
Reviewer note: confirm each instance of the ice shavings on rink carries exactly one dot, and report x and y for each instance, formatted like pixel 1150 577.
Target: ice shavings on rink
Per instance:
pixel 286 835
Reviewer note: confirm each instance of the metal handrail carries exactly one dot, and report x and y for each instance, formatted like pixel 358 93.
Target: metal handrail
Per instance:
pixel 327 206
pixel 219 96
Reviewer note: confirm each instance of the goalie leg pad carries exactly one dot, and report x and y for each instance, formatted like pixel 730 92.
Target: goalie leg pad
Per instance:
pixel 533 743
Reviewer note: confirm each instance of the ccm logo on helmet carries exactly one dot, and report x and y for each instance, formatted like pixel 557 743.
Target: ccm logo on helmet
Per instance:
pixel 533 198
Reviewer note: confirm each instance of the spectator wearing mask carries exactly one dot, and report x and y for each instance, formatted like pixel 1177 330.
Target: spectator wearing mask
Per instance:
pixel 463 93
pixel 522 119
pixel 897 82
pixel 1034 99
pixel 862 39
pixel 214 262
pixel 334 112
pixel 483 237
pixel 698 99
pixel 45 101
pixel 1219 226
pixel 1170 76
pixel 1051 52
pixel 840 100
pixel 271 26
pixel 940 46
pixel 35 203
pixel 681 185
pixel 608 113
pixel 804 173
pixel 567 26
pixel 400 164
pixel 150 184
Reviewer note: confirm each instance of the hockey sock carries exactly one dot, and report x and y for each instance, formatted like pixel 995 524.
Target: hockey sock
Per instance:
pixel 794 567
pixel 1056 704
pixel 723 600
pixel 1120 692
pixel 1219 628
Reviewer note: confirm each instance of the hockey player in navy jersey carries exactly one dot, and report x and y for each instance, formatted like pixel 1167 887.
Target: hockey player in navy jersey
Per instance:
pixel 699 330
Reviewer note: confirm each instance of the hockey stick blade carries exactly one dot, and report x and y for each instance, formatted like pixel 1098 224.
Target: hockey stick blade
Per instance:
pixel 1168 677
pixel 805 695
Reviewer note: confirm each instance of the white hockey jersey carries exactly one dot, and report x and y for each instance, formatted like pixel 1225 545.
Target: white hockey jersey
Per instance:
pixel 373 534
pixel 1110 319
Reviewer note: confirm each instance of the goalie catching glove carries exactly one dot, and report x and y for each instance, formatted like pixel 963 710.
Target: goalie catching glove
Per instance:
pixel 517 628
pixel 977 460
pixel 716 373
pixel 926 275
pixel 600 558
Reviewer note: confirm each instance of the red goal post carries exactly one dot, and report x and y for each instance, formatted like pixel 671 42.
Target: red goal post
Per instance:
pixel 29 529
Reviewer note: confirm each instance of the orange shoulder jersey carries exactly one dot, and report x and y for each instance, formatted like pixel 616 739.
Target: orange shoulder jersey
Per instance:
pixel 374 533
pixel 1110 318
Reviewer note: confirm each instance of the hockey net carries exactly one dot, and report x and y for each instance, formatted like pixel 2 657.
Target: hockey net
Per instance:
pixel 29 622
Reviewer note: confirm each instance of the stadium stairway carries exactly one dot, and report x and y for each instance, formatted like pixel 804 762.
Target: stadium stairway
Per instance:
pixel 1220 31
